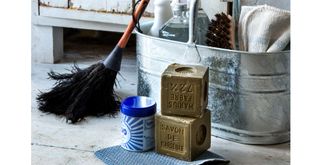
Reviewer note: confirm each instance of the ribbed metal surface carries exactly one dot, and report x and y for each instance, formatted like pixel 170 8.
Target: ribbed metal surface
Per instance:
pixel 249 94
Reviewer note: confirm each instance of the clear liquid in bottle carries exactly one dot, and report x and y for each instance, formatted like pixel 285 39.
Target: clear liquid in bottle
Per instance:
pixel 177 28
pixel 202 27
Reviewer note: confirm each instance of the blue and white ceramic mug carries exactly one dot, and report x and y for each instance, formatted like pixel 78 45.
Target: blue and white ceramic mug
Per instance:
pixel 137 123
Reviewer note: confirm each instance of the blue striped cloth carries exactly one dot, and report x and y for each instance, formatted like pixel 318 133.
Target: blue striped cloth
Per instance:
pixel 118 156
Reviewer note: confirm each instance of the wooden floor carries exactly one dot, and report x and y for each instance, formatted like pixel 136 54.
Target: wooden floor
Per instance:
pixel 56 142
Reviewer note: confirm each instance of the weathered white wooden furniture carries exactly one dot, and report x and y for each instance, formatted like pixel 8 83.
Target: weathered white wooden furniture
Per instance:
pixel 49 17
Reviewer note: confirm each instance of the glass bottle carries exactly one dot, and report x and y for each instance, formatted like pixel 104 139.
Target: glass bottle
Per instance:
pixel 202 27
pixel 177 28
pixel 162 13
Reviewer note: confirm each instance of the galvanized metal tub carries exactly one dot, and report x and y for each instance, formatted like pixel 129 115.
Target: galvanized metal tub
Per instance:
pixel 249 93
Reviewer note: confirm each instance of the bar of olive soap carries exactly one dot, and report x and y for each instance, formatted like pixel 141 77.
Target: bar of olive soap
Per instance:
pixel 184 90
pixel 184 138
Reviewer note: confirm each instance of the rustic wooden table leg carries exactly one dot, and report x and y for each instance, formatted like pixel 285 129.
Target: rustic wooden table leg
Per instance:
pixel 47 44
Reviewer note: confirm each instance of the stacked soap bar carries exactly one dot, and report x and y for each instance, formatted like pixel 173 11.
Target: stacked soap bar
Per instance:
pixel 184 90
pixel 183 129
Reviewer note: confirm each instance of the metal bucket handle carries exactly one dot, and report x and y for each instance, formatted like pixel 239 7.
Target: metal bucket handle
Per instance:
pixel 192 20
pixel 191 45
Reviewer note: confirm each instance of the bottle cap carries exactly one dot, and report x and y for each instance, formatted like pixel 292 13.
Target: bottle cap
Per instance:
pixel 138 106
pixel 179 5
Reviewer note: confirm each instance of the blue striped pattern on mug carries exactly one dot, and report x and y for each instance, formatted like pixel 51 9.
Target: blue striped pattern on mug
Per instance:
pixel 132 130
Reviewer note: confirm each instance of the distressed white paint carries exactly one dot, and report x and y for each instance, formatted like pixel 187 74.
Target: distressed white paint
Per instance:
pixel 46 44
pixel 125 6
pixel 121 19
pixel 119 6
pixel 55 3
pixel 34 8
pixel 69 23
pixel 96 5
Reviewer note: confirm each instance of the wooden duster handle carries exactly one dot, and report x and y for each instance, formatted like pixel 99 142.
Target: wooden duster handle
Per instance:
pixel 126 35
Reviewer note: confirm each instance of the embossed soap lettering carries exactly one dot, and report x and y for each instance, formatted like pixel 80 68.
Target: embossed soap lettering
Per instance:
pixel 181 87
pixel 172 129
pixel 180 105
pixel 177 97
pixel 171 146
pixel 181 96
pixel 171 137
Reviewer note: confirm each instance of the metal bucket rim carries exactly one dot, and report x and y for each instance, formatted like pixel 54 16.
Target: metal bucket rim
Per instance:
pixel 146 23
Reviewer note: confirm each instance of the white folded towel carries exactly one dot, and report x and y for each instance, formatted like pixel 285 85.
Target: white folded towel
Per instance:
pixel 263 29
